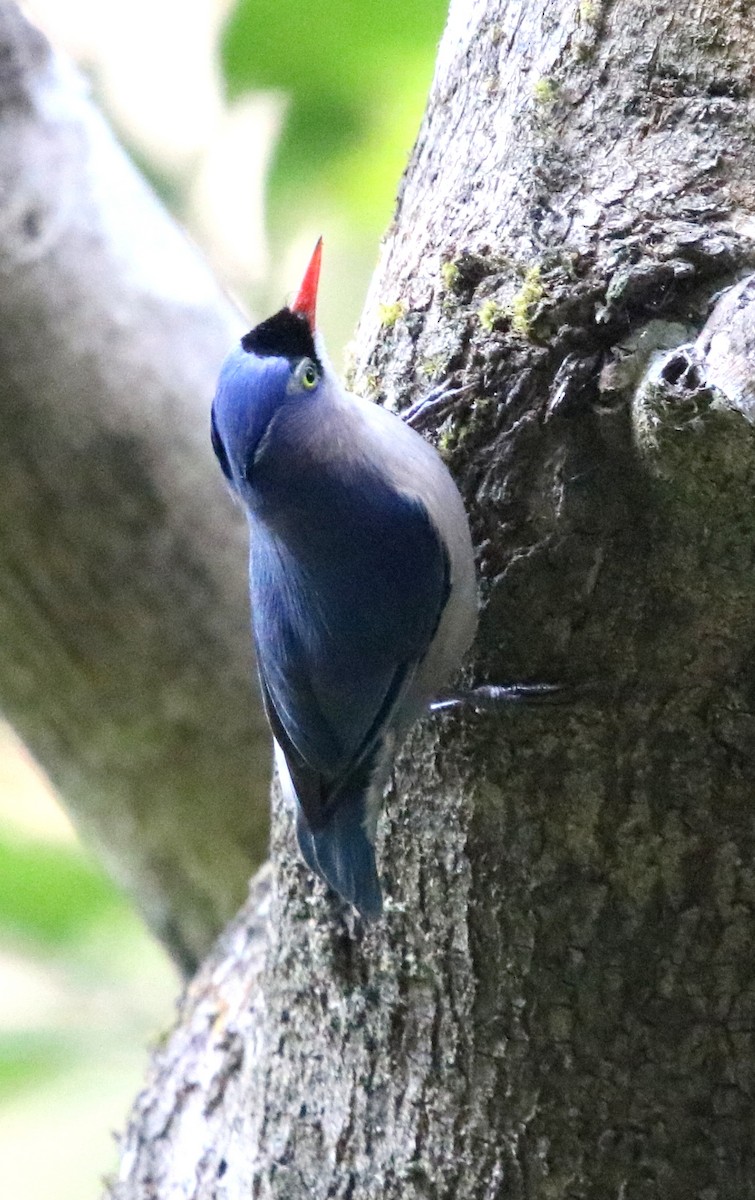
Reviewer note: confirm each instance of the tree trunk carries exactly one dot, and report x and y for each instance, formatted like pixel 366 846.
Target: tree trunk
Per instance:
pixel 126 662
pixel 559 1001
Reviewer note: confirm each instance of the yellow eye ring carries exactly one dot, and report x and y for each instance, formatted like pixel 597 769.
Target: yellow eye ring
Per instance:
pixel 309 377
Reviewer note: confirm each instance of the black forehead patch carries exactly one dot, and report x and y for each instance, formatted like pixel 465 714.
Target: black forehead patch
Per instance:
pixel 284 335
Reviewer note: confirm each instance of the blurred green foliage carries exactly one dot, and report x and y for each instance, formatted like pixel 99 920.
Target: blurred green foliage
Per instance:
pixel 30 1060
pixel 355 76
pixel 83 990
pixel 51 892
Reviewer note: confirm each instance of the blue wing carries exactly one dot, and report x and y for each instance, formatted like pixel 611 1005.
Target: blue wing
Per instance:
pixel 344 607
pixel 343 855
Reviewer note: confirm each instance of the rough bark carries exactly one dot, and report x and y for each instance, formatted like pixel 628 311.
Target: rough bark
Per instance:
pixel 126 663
pixel 559 1001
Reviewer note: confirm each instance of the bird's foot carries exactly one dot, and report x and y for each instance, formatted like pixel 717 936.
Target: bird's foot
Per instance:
pixel 491 696
pixel 434 402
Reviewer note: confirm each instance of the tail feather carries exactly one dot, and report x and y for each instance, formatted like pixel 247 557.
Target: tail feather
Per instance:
pixel 342 854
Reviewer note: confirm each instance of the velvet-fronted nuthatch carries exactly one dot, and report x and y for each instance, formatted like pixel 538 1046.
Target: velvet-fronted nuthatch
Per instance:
pixel 362 579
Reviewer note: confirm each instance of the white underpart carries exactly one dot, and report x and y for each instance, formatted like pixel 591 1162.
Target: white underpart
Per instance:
pixel 284 776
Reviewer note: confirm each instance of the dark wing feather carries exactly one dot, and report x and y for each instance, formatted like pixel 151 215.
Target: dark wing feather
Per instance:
pixel 308 781
pixel 319 790
pixel 343 611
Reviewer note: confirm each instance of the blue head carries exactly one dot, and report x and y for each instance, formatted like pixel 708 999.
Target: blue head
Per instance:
pixel 276 364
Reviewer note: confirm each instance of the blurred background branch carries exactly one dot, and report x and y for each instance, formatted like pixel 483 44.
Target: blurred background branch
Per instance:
pixel 125 664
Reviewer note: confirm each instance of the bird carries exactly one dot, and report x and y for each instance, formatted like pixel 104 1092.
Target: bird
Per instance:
pixel 362 580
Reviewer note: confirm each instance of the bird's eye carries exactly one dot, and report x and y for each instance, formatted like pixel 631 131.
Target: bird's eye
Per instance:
pixel 306 375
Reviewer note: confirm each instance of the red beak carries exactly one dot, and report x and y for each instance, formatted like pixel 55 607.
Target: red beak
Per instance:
pixel 306 300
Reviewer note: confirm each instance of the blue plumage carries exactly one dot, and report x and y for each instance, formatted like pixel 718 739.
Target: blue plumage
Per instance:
pixel 362 599
pixel 342 853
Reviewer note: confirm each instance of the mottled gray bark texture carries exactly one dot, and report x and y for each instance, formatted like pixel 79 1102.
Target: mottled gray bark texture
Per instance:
pixel 125 660
pixel 560 1000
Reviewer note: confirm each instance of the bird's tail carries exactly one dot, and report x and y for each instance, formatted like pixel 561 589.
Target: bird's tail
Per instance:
pixel 342 854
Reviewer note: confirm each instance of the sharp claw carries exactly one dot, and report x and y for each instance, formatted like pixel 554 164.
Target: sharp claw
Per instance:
pixel 435 400
pixel 491 696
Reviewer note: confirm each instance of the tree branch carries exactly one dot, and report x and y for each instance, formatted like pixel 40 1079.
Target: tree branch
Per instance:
pixel 126 658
